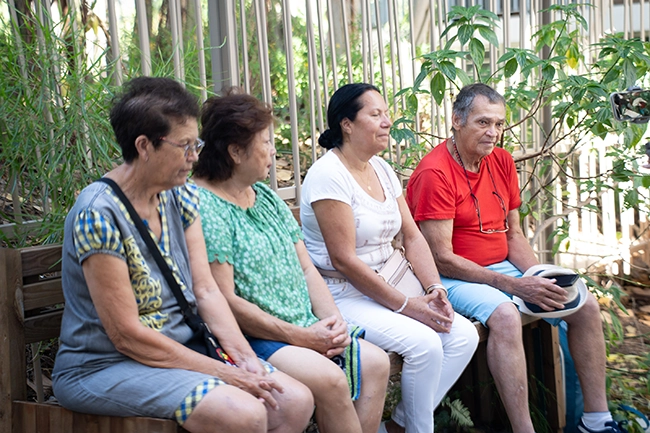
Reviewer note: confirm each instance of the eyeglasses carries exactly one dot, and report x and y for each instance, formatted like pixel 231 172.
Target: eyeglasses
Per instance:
pixel 197 146
pixel 475 199
pixel 478 209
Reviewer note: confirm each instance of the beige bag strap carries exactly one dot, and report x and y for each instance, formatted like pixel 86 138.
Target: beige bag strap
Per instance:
pixel 330 273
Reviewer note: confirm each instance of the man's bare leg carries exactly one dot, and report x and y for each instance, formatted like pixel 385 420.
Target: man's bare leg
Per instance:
pixel 507 363
pixel 587 345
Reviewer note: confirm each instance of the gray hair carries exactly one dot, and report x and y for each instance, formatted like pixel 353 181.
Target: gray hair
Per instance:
pixel 463 103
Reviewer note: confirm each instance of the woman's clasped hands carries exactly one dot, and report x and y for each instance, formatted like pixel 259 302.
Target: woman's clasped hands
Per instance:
pixel 434 310
pixel 328 336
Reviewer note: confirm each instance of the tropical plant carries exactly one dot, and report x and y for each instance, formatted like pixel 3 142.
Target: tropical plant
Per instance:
pixel 551 88
pixel 555 87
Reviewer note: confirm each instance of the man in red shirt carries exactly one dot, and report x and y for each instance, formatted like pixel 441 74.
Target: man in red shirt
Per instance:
pixel 464 195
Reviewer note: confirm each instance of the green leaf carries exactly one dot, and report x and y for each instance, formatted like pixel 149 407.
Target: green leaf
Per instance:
pixel 402 134
pixel 611 75
pixel 600 130
pixel 463 77
pixel 631 198
pixel 510 68
pixel 546 37
pixel 645 180
pixel 447 30
pixel 620 175
pixel 522 58
pixel 528 68
pixel 465 32
pixel 606 51
pixel 421 76
pixel 629 72
pixel 509 54
pixel 548 72
pixel 477 50
pixel 403 121
pixel 618 327
pixel 397 135
pixel 570 121
pixel 403 91
pixel 412 103
pixel 633 134
pixel 448 69
pixel 438 85
pixel 489 35
pixel 582 21
pixel 488 16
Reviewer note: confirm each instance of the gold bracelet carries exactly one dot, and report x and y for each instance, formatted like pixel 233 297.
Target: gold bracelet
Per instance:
pixel 435 286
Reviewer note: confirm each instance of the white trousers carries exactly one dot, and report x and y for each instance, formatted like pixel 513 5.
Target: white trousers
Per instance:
pixel 432 361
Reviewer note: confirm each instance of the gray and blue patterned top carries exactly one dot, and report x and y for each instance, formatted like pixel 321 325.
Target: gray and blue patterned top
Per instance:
pixel 100 224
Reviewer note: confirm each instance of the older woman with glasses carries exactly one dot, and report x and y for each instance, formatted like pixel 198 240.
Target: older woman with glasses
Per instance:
pixel 352 208
pixel 123 336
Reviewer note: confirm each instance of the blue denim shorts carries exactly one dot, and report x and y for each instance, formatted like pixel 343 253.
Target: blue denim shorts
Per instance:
pixel 264 349
pixel 479 301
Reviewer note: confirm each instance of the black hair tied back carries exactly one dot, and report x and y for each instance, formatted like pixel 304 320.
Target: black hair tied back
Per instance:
pixel 344 104
pixel 326 140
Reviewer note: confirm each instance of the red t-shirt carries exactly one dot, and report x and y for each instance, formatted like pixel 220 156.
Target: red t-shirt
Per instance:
pixel 438 190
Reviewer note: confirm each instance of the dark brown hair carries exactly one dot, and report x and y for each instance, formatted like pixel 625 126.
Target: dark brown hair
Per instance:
pixel 147 106
pixel 234 118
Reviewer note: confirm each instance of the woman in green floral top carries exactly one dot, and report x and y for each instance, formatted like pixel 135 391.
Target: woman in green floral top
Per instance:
pixel 259 260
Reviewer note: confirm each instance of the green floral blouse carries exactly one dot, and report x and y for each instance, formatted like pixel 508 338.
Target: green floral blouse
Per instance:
pixel 260 244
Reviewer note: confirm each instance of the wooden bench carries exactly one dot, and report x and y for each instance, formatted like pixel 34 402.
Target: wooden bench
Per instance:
pixel 31 306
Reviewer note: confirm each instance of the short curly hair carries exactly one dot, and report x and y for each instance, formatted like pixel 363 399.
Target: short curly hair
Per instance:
pixel 234 118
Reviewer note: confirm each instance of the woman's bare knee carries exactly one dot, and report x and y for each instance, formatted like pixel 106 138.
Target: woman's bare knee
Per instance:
pixel 334 380
pixel 226 409
pixel 296 405
pixel 375 364
pixel 323 377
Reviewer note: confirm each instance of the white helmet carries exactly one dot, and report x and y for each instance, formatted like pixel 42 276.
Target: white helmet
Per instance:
pixel 576 292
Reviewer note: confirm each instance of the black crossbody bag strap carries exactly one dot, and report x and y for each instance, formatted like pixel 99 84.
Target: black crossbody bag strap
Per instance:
pixel 202 340
pixel 192 319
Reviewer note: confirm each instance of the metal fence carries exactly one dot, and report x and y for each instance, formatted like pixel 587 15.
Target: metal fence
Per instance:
pixel 378 41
